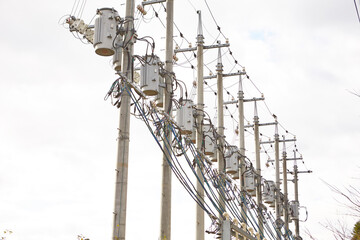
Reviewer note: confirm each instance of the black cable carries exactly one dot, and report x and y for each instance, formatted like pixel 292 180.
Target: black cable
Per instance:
pixel 357 10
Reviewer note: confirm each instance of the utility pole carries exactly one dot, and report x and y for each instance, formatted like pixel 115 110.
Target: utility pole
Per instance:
pixel 277 181
pixel 200 221
pixel 165 219
pixel 242 144
pixel 258 170
pixel 200 229
pixel 119 222
pixel 296 219
pixel 286 204
pixel 220 127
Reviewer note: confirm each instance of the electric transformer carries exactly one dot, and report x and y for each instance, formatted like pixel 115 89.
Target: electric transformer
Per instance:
pixel 150 75
pixel 294 210
pixel 105 31
pixel 232 160
pixel 209 139
pixel 250 182
pixel 269 192
pixel 184 116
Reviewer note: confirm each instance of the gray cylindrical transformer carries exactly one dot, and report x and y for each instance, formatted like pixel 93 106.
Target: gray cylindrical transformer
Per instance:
pixel 117 57
pixel 160 96
pixel 105 31
pixel 150 75
pixel 250 182
pixel 184 116
pixel 208 137
pixel 269 192
pixel 232 160
pixel 294 210
pixel 193 135
pixel 214 156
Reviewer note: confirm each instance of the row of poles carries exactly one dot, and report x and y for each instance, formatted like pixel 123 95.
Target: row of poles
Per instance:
pixel 119 222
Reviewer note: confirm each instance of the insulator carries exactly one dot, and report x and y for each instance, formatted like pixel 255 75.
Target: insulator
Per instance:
pixel 175 58
pixel 141 9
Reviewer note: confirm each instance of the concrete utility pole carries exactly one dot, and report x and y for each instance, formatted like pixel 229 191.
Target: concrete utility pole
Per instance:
pixel 200 224
pixel 220 127
pixel 119 223
pixel 277 180
pixel 296 220
pixel 165 219
pixel 258 170
pixel 200 116
pixel 242 143
pixel 286 204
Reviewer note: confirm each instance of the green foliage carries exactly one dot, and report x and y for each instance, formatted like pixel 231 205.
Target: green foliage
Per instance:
pixel 356 232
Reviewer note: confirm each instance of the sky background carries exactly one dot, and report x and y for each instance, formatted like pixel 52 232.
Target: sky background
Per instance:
pixel 58 135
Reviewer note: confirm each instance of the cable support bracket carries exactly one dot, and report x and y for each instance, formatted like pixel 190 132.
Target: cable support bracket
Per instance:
pixel 267 124
pixel 287 159
pixel 245 100
pixel 205 47
pixel 260 124
pixel 308 171
pixel 144 3
pixel 286 140
pixel 254 99
pixel 226 75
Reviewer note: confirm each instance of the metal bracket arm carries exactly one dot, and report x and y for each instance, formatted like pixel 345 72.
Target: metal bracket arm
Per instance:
pixel 144 3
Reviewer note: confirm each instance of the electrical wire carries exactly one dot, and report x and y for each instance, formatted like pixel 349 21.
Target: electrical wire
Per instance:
pixel 224 188
pixel 357 10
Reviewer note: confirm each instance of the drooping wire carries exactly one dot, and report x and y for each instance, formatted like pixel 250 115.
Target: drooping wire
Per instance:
pixel 223 190
pixel 357 10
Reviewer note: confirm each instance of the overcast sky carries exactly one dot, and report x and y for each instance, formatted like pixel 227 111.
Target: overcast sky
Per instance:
pixel 58 135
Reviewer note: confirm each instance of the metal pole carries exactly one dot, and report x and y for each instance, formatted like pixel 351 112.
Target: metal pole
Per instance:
pixel 165 217
pixel 286 212
pixel 200 224
pixel 296 220
pixel 119 222
pixel 277 180
pixel 258 171
pixel 220 127
pixel 242 145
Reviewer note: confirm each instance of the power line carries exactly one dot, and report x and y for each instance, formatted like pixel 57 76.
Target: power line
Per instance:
pixel 357 10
